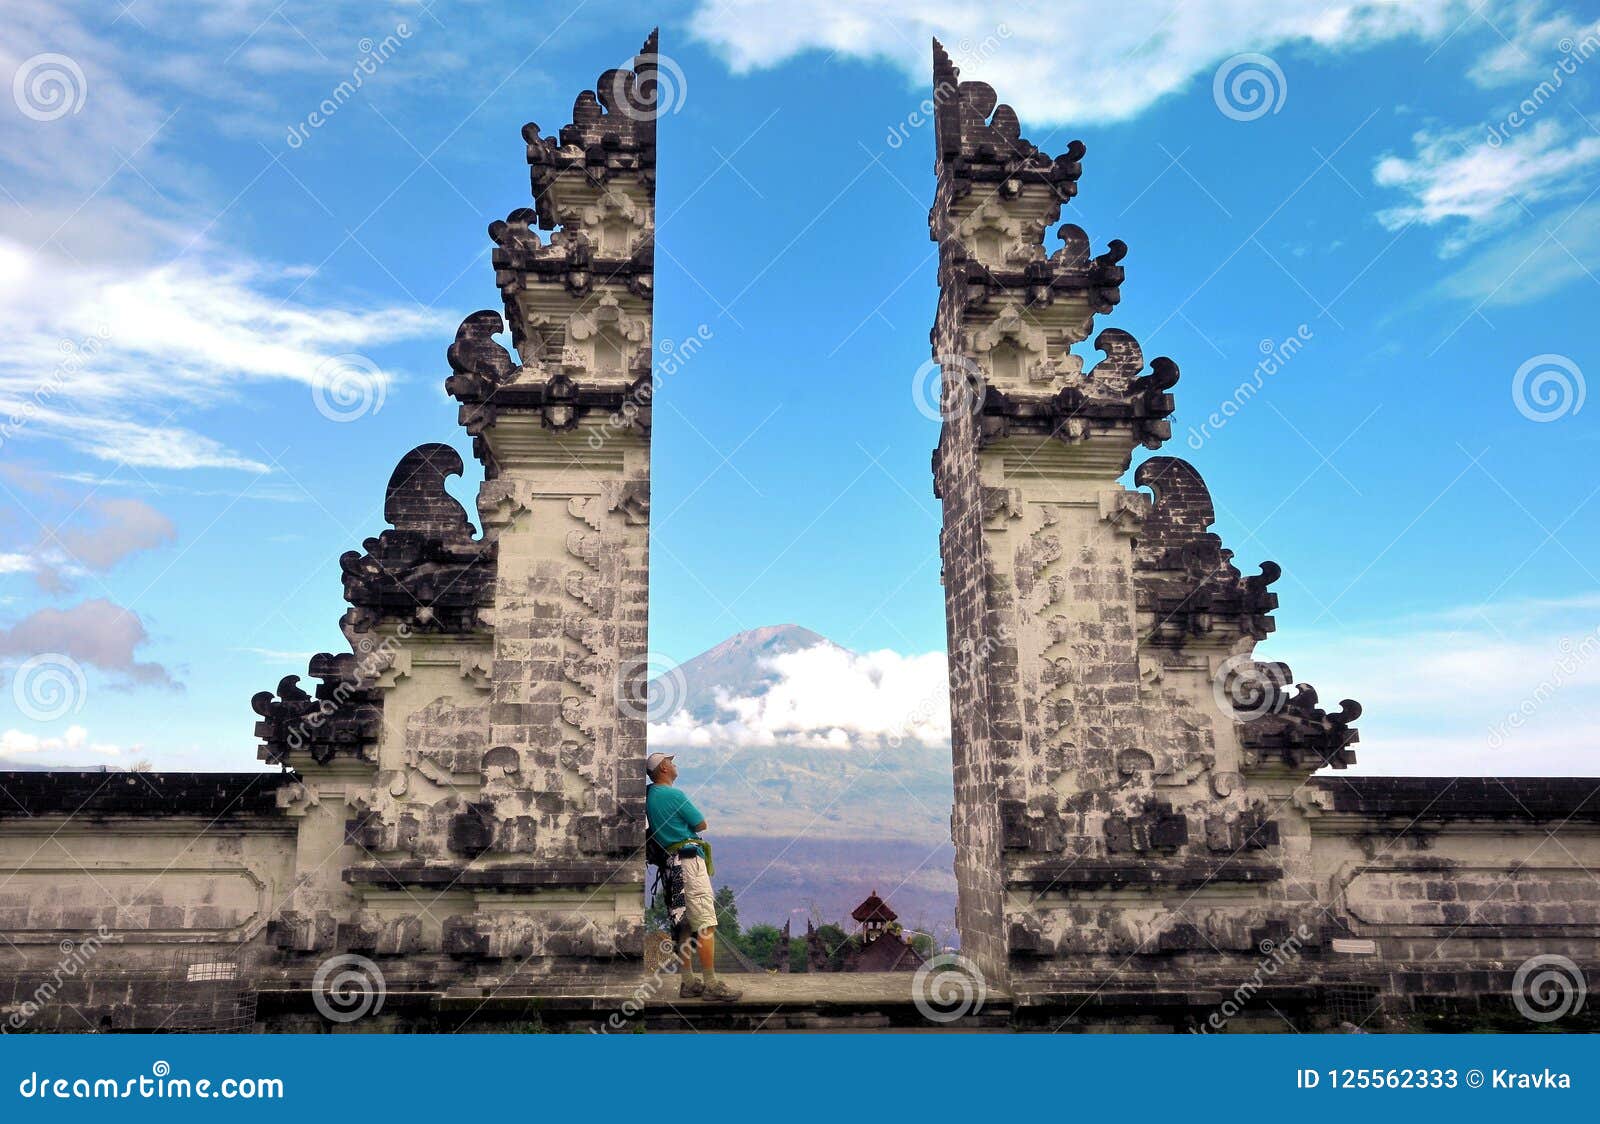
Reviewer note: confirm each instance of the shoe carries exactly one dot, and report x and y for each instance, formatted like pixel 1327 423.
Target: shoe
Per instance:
pixel 691 987
pixel 721 991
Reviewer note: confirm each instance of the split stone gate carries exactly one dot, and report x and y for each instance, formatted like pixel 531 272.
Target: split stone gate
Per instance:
pixel 1137 825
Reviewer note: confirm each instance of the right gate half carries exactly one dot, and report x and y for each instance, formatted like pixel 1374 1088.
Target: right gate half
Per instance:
pixel 1123 765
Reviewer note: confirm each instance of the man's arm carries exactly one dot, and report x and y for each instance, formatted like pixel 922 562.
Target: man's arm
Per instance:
pixel 691 815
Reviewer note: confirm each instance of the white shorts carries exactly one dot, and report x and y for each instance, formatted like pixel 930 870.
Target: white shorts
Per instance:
pixel 697 894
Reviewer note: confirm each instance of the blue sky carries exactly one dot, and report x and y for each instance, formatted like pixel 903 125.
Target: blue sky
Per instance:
pixel 185 264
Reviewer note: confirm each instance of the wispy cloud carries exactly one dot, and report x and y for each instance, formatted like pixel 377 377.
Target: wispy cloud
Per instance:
pixel 1531 263
pixel 92 345
pixel 1063 63
pixel 1532 38
pixel 1456 177
pixel 127 314
pixel 276 656
pixel 265 490
pixel 1440 691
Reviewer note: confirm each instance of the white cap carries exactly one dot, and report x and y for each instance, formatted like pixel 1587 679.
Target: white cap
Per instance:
pixel 653 762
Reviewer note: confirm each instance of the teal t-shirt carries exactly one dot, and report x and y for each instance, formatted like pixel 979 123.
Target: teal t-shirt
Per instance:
pixel 671 814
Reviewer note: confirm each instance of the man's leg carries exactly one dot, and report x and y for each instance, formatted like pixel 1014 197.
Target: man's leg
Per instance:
pixel 708 954
pixel 702 917
pixel 689 985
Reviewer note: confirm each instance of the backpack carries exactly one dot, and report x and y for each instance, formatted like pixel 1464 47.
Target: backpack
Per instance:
pixel 654 853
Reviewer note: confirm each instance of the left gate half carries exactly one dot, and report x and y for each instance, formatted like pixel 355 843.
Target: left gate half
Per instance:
pixel 463 801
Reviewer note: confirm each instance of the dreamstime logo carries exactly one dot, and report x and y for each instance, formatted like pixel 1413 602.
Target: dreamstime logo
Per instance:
pixel 348 387
pixel 645 94
pixel 1275 954
pixel 49 87
pixel 947 988
pixel 938 397
pixel 373 56
pixel 652 688
pixel 1573 658
pixel 967 54
pixel 371 660
pixel 1548 387
pixel 75 957
pixel 1575 53
pixel 671 356
pixel 1248 87
pixel 622 1018
pixel 49 686
pixel 1275 356
pixel 1548 987
pixel 1249 689
pixel 348 987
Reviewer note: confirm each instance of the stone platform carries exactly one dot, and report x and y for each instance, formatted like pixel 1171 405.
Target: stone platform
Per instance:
pixel 772 1002
pixel 833 1001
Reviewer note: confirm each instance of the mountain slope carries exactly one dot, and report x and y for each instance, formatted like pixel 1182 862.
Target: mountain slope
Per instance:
pixel 739 666
pixel 806 827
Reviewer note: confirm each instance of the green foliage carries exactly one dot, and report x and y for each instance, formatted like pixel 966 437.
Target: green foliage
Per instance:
pixel 760 943
pixel 727 914
pixel 836 943
pixel 656 916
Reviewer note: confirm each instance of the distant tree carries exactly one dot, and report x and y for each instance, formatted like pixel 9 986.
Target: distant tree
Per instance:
pixel 760 943
pixel 655 914
pixel 797 954
pixel 925 944
pixel 727 914
pixel 836 943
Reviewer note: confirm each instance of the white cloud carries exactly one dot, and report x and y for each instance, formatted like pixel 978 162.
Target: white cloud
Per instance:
pixel 1458 176
pixel 124 314
pixel 1529 265
pixel 1439 692
pixel 826 697
pixel 1532 42
pixel 1064 63
pixel 74 743
pixel 90 346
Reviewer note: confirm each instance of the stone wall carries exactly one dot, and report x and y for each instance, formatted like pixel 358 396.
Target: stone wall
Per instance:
pixel 1438 870
pixel 112 883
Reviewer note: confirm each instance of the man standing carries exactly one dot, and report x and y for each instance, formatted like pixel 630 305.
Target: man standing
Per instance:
pixel 675 824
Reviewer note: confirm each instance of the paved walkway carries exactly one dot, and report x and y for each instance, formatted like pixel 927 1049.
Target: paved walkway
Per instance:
pixel 767 988
pixel 813 1001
